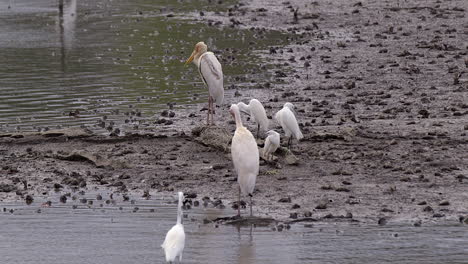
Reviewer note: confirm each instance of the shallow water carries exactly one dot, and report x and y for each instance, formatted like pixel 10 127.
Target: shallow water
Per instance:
pixel 116 233
pixel 119 59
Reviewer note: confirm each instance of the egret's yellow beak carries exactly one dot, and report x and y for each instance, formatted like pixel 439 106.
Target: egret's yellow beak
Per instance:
pixel 190 59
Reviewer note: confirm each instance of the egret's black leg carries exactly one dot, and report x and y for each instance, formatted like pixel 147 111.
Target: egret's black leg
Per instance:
pixel 250 204
pixel 208 115
pixel 238 204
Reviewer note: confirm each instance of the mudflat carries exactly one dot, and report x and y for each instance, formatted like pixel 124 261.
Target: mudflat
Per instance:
pixel 381 95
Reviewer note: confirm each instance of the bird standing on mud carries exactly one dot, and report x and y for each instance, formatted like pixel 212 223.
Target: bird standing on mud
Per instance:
pixel 272 143
pixel 286 118
pixel 257 114
pixel 175 238
pixel 212 75
pixel 245 157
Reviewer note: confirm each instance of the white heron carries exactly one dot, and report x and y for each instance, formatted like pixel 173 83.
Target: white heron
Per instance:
pixel 272 143
pixel 257 114
pixel 286 118
pixel 245 157
pixel 175 238
pixel 211 73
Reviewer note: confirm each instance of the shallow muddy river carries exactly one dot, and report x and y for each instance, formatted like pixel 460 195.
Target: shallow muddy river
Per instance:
pixel 118 59
pixel 132 232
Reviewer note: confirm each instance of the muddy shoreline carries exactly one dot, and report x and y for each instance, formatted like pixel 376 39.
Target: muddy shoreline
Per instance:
pixel 383 106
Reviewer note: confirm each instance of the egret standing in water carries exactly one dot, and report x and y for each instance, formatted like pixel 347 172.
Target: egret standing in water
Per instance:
pixel 211 73
pixel 257 114
pixel 245 157
pixel 175 238
pixel 288 122
pixel 272 143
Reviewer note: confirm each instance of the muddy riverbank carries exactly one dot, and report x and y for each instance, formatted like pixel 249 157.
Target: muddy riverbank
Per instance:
pixel 382 97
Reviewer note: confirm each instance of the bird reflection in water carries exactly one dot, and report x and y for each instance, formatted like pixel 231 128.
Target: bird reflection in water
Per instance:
pixel 246 247
pixel 67 24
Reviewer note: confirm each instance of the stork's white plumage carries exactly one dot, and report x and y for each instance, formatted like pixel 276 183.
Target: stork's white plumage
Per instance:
pixel 175 238
pixel 211 73
pixel 272 143
pixel 245 157
pixel 286 118
pixel 257 113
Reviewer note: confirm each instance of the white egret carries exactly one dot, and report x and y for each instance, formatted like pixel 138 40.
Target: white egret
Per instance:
pixel 175 238
pixel 286 118
pixel 245 157
pixel 257 114
pixel 211 73
pixel 272 142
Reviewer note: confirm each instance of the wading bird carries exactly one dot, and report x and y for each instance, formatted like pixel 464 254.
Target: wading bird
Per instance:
pixel 245 157
pixel 211 73
pixel 257 114
pixel 286 118
pixel 175 238
pixel 272 142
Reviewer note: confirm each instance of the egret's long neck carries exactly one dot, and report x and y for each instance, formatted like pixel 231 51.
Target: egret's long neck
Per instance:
pixel 179 210
pixel 243 107
pixel 238 120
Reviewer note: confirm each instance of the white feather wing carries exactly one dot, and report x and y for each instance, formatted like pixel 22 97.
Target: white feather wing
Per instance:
pixel 289 123
pixel 212 75
pixel 258 112
pixel 245 157
pixel 174 243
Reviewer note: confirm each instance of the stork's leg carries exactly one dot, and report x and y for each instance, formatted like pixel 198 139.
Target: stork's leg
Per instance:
pixel 212 110
pixel 289 142
pixel 250 204
pixel 258 130
pixel 209 109
pixel 238 204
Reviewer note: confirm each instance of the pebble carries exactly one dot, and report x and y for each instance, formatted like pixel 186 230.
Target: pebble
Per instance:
pixel 382 221
pixel 428 209
pixel 444 203
pixel 29 199
pixel 285 200
pixel 417 223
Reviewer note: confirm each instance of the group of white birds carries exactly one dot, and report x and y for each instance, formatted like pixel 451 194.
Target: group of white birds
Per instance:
pixel 244 148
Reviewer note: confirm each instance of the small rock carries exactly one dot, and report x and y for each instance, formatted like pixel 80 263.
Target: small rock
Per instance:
pixel 296 206
pixel 428 209
pixel 219 166
pixel 29 199
pixel 307 214
pixel 322 206
pixel 382 221
pixel 190 195
pixel 280 227
pixel 293 215
pixel 444 203
pixel 417 223
pixel 285 200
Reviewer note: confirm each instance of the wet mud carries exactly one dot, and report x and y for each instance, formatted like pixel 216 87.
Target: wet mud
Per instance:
pixel 381 94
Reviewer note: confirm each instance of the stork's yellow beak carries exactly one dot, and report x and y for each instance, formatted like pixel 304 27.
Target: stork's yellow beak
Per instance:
pixel 189 60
